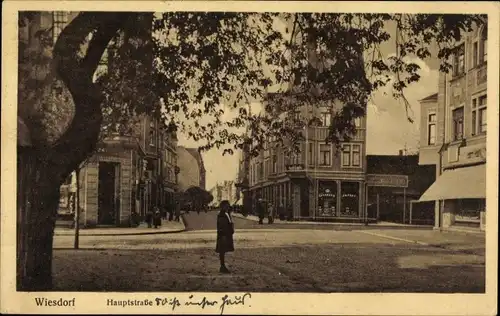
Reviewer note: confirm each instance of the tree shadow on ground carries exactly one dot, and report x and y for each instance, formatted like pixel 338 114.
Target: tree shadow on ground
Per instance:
pixel 303 268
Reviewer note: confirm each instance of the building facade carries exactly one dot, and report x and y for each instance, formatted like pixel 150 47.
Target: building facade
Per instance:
pixel 128 173
pixel 320 182
pixel 453 136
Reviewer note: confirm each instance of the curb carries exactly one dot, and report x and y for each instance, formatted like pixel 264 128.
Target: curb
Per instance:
pixel 131 233
pixel 344 224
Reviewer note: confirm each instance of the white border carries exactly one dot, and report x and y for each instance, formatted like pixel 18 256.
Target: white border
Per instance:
pixel 289 303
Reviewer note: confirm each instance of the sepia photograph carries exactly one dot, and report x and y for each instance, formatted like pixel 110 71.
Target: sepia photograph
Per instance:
pixel 219 157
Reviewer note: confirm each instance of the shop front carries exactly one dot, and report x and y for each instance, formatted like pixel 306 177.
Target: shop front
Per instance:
pixel 339 199
pixel 461 197
pixel 387 198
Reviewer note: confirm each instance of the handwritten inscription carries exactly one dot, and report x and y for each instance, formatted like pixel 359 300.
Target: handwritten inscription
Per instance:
pixel 173 302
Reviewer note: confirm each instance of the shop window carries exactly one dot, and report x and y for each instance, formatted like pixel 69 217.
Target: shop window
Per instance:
pixel 349 203
pixel 59 21
pixel 431 136
pixel 325 153
pixel 458 123
pixel 459 61
pixel 327 199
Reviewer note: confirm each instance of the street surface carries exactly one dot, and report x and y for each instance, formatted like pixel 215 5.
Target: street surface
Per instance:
pixel 270 258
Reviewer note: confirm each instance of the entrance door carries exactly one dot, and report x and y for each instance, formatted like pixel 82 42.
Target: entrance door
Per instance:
pixel 108 209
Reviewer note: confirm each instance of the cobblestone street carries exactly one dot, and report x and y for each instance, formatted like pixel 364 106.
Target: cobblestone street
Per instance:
pixel 274 258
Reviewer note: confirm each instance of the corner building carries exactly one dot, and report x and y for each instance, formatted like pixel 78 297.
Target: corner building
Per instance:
pixel 318 183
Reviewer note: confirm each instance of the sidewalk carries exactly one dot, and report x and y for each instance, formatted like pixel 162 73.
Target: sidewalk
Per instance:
pixel 165 228
pixel 379 224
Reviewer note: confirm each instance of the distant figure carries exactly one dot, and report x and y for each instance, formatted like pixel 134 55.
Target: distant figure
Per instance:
pixel 157 217
pixel 261 211
pixel 270 213
pixel 281 212
pixel 225 231
pixel 177 212
pixel 135 221
pixel 149 218
pixel 290 211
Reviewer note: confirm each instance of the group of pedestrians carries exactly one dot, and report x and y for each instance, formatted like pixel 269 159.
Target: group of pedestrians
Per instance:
pixel 268 209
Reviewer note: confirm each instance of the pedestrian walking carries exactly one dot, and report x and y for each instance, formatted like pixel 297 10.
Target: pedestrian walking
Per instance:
pixel 157 217
pixel 225 231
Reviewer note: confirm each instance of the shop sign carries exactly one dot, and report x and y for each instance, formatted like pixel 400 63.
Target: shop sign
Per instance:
pixel 327 193
pixel 387 180
pixel 475 153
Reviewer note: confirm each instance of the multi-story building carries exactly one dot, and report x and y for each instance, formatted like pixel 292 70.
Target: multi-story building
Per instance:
pixel 129 172
pixel 453 135
pixel 320 181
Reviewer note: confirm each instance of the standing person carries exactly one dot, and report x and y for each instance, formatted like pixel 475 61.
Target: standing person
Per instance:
pixel 157 217
pixel 260 211
pixel 149 217
pixel 225 231
pixel 281 211
pixel 270 214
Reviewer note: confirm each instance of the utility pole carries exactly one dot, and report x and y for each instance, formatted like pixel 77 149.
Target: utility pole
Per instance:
pixel 76 206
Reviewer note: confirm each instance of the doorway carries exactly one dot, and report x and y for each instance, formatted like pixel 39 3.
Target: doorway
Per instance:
pixel 108 208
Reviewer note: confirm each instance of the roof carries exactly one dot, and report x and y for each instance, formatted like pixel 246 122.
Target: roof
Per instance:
pixel 432 97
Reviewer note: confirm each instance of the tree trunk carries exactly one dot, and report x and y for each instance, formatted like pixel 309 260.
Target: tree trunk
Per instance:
pixel 37 202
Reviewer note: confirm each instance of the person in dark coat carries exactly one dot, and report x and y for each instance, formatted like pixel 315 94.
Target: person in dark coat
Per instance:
pixel 225 231
pixel 261 212
pixel 157 217
pixel 149 218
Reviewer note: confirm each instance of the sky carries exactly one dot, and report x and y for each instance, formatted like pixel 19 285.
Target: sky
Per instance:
pixel 388 129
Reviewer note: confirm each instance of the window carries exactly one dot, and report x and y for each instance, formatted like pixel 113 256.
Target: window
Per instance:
pixel 275 164
pixel 483 48
pixel 346 155
pixel 479 116
pixel 325 154
pixel 351 155
pixel 326 119
pixel 459 61
pixel 458 123
pixel 475 53
pixel 59 21
pixel 152 134
pixel 357 122
pixel 431 134
pixel 356 153
pixel 311 153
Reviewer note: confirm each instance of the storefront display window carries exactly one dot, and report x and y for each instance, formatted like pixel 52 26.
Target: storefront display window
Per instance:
pixel 469 210
pixel 327 199
pixel 349 199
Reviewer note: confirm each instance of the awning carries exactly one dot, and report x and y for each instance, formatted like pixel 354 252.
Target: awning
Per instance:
pixel 461 183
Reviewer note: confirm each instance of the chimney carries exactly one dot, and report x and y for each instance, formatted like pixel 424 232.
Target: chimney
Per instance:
pixel 401 152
